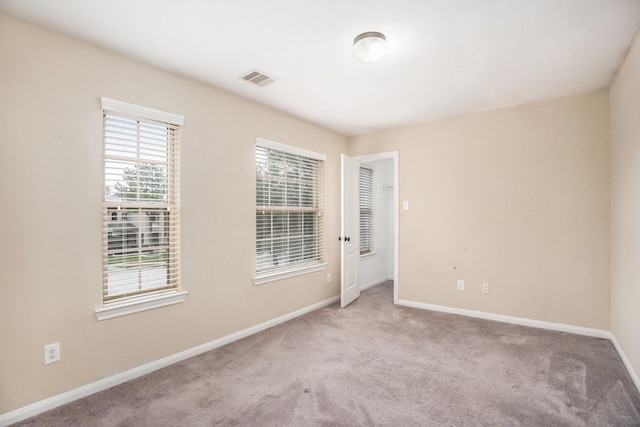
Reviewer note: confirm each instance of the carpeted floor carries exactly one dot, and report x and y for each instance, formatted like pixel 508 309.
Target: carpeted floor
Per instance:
pixel 376 364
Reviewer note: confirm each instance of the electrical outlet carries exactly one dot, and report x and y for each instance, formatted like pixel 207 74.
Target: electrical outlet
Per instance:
pixel 51 353
pixel 328 277
pixel 485 288
pixel 461 285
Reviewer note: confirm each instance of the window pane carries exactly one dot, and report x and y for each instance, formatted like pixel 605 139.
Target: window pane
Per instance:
pixel 295 250
pixel 307 194
pixel 278 252
pixel 276 192
pixel 262 191
pixel 295 224
pixel 293 194
pixel 366 210
pixel 152 182
pixel 279 224
pixel 140 212
pixel 287 208
pixel 138 250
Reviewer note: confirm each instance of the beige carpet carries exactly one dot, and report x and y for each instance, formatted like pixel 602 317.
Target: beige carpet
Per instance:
pixel 376 364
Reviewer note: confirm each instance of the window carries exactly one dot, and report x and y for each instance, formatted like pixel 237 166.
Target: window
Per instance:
pixel 366 210
pixel 140 208
pixel 289 211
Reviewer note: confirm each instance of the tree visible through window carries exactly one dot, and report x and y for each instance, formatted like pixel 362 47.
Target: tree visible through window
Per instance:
pixel 289 206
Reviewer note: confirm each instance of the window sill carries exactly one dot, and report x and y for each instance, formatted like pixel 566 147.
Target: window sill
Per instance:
pixel 368 255
pixel 139 304
pixel 263 278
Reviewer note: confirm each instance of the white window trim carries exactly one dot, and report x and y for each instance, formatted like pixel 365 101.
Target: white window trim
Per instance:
pixel 144 302
pixel 265 143
pixel 368 255
pixel 273 276
pixel 147 302
pixel 140 111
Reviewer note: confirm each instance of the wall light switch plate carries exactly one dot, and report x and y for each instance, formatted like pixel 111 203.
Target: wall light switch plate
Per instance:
pixel 405 205
pixel 461 285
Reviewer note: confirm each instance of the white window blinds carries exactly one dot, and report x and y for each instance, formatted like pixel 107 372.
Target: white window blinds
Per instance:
pixel 366 210
pixel 289 208
pixel 140 214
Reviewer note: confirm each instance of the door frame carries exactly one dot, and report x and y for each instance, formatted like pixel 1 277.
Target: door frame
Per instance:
pixel 396 211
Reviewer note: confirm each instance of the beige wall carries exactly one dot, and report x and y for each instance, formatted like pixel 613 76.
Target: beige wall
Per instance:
pixel 625 206
pixel 517 198
pixel 50 229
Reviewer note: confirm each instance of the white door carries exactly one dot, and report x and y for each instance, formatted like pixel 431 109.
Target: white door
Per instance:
pixel 349 237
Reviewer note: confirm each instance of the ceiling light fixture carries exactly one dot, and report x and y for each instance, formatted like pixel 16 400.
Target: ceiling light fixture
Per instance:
pixel 370 46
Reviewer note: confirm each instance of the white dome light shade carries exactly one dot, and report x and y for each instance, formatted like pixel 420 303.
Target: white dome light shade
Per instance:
pixel 369 47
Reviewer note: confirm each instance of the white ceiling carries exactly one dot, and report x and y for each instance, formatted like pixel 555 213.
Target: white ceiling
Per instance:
pixel 445 57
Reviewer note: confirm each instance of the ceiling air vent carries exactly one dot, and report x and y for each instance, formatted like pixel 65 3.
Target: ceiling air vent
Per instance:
pixel 258 77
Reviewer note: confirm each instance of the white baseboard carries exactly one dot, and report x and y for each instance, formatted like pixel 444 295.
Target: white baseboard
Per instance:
pixel 579 330
pixel 626 362
pixel 599 333
pixel 89 389
pixel 374 283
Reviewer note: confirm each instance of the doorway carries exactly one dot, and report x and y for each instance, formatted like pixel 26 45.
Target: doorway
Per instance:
pixel 381 263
